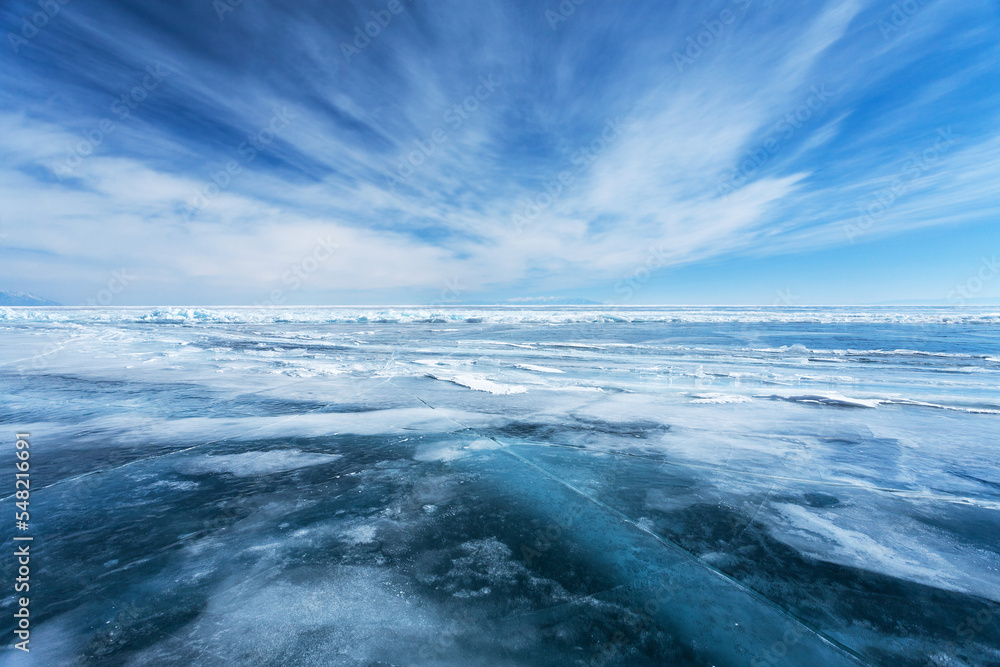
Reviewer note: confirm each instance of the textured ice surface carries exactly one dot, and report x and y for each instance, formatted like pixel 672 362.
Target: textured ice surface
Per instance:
pixel 250 464
pixel 512 315
pixel 480 383
pixel 364 486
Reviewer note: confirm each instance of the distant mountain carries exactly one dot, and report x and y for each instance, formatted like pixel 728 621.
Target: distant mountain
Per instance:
pixel 24 299
pixel 549 301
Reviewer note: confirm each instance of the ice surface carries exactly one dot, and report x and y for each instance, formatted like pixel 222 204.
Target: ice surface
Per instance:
pixel 716 397
pixel 509 315
pixel 248 464
pixel 830 399
pixel 539 369
pixel 481 383
pixel 627 486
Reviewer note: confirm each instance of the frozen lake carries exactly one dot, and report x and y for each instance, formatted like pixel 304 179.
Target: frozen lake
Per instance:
pixel 507 486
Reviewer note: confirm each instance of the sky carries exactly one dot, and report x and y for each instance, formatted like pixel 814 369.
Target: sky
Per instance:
pixel 227 152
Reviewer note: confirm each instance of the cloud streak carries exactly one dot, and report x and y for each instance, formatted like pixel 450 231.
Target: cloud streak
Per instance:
pixel 464 144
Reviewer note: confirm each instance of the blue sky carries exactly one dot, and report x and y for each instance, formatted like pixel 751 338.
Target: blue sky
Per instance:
pixel 735 152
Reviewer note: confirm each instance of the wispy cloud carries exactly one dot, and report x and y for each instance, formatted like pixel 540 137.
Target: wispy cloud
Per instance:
pixel 420 151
